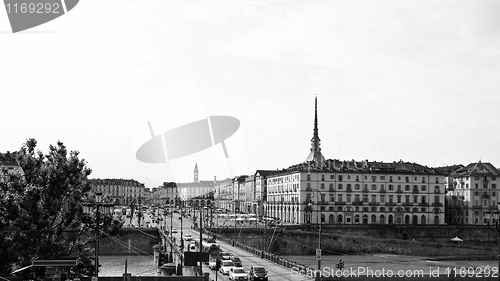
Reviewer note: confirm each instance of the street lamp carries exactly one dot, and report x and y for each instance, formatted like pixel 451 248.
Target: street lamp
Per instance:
pixel 495 225
pixel 87 208
pixel 318 251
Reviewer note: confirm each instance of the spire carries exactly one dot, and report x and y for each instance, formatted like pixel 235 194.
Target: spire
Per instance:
pixel 315 154
pixel 196 172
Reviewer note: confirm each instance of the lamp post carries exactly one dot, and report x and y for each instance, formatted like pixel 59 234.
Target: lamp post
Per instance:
pixel 320 218
pixel 495 225
pixel 98 198
pixel 87 208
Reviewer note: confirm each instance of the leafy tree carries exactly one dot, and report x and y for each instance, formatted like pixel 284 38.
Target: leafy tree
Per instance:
pixel 41 213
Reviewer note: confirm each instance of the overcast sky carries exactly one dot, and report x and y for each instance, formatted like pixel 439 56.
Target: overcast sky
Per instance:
pixel 412 80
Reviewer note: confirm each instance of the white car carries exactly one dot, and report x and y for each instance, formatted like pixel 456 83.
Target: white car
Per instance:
pixel 226 266
pixel 238 273
pixel 188 237
pixel 174 230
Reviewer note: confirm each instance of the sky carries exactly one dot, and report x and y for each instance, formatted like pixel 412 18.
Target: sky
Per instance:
pixel 416 81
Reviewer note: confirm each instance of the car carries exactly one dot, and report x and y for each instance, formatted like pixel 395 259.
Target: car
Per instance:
pixel 188 237
pixel 237 273
pixel 258 273
pixel 174 230
pixel 225 256
pixel 237 261
pixel 225 266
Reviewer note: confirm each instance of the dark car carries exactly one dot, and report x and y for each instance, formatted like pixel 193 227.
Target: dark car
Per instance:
pixel 236 261
pixel 258 273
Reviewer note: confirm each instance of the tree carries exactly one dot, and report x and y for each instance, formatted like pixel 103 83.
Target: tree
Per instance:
pixel 41 210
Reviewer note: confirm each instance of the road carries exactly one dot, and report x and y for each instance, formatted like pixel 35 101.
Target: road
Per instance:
pixel 275 272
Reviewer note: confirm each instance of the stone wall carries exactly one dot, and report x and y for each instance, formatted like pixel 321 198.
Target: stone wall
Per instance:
pixel 130 242
pixel 354 239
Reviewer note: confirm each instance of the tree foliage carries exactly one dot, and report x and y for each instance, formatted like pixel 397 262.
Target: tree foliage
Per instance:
pixel 41 210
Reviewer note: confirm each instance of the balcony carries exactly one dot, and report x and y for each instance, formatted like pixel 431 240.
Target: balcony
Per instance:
pixel 415 191
pixel 407 204
pixel 365 190
pixel 357 203
pixel 486 196
pixel 390 204
pixel 423 204
pixel 323 202
pixel 399 191
pixel 331 189
pixel 437 204
pixel 383 190
pixel 349 189
pixel 340 203
pixel 374 203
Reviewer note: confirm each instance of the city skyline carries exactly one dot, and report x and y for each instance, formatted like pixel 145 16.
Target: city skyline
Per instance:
pixel 395 81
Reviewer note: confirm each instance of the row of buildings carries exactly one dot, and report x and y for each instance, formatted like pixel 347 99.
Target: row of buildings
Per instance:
pixel 331 191
pixel 350 192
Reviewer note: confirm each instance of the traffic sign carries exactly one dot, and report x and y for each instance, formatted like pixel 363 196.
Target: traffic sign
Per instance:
pixel 318 254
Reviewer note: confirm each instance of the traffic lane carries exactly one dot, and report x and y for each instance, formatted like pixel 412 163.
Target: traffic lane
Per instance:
pixel 275 272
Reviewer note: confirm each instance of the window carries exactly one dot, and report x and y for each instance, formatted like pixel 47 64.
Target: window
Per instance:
pixel 374 187
pixel 415 199
pixel 382 199
pixel 407 187
pixel 407 199
pixel 331 185
pixel 348 177
pixel 407 179
pixel 322 186
pixel 332 177
pixel 399 198
pixel 436 199
pixel 332 198
pixel 382 177
pixel 493 185
pixel 340 186
pixel 341 197
pixel 365 198
pixel 340 177
pixel 493 178
pixel 391 187
pixel 424 199
pixel 374 178
pixel 423 188
pixel 322 177
pixel 390 198
pixel 348 186
pixel 308 185
pixel 356 186
pixel 348 198
pixel 356 198
pixel 436 189
pixel 390 178
pixel 308 177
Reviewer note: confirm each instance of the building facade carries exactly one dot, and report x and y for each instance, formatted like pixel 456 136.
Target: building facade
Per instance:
pixel 472 191
pixel 350 192
pixel 119 191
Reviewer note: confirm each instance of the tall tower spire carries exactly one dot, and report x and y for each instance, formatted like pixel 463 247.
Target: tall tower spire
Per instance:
pixel 315 154
pixel 196 172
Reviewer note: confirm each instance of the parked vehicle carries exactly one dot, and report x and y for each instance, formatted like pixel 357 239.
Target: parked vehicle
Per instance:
pixel 188 237
pixel 237 273
pixel 258 273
